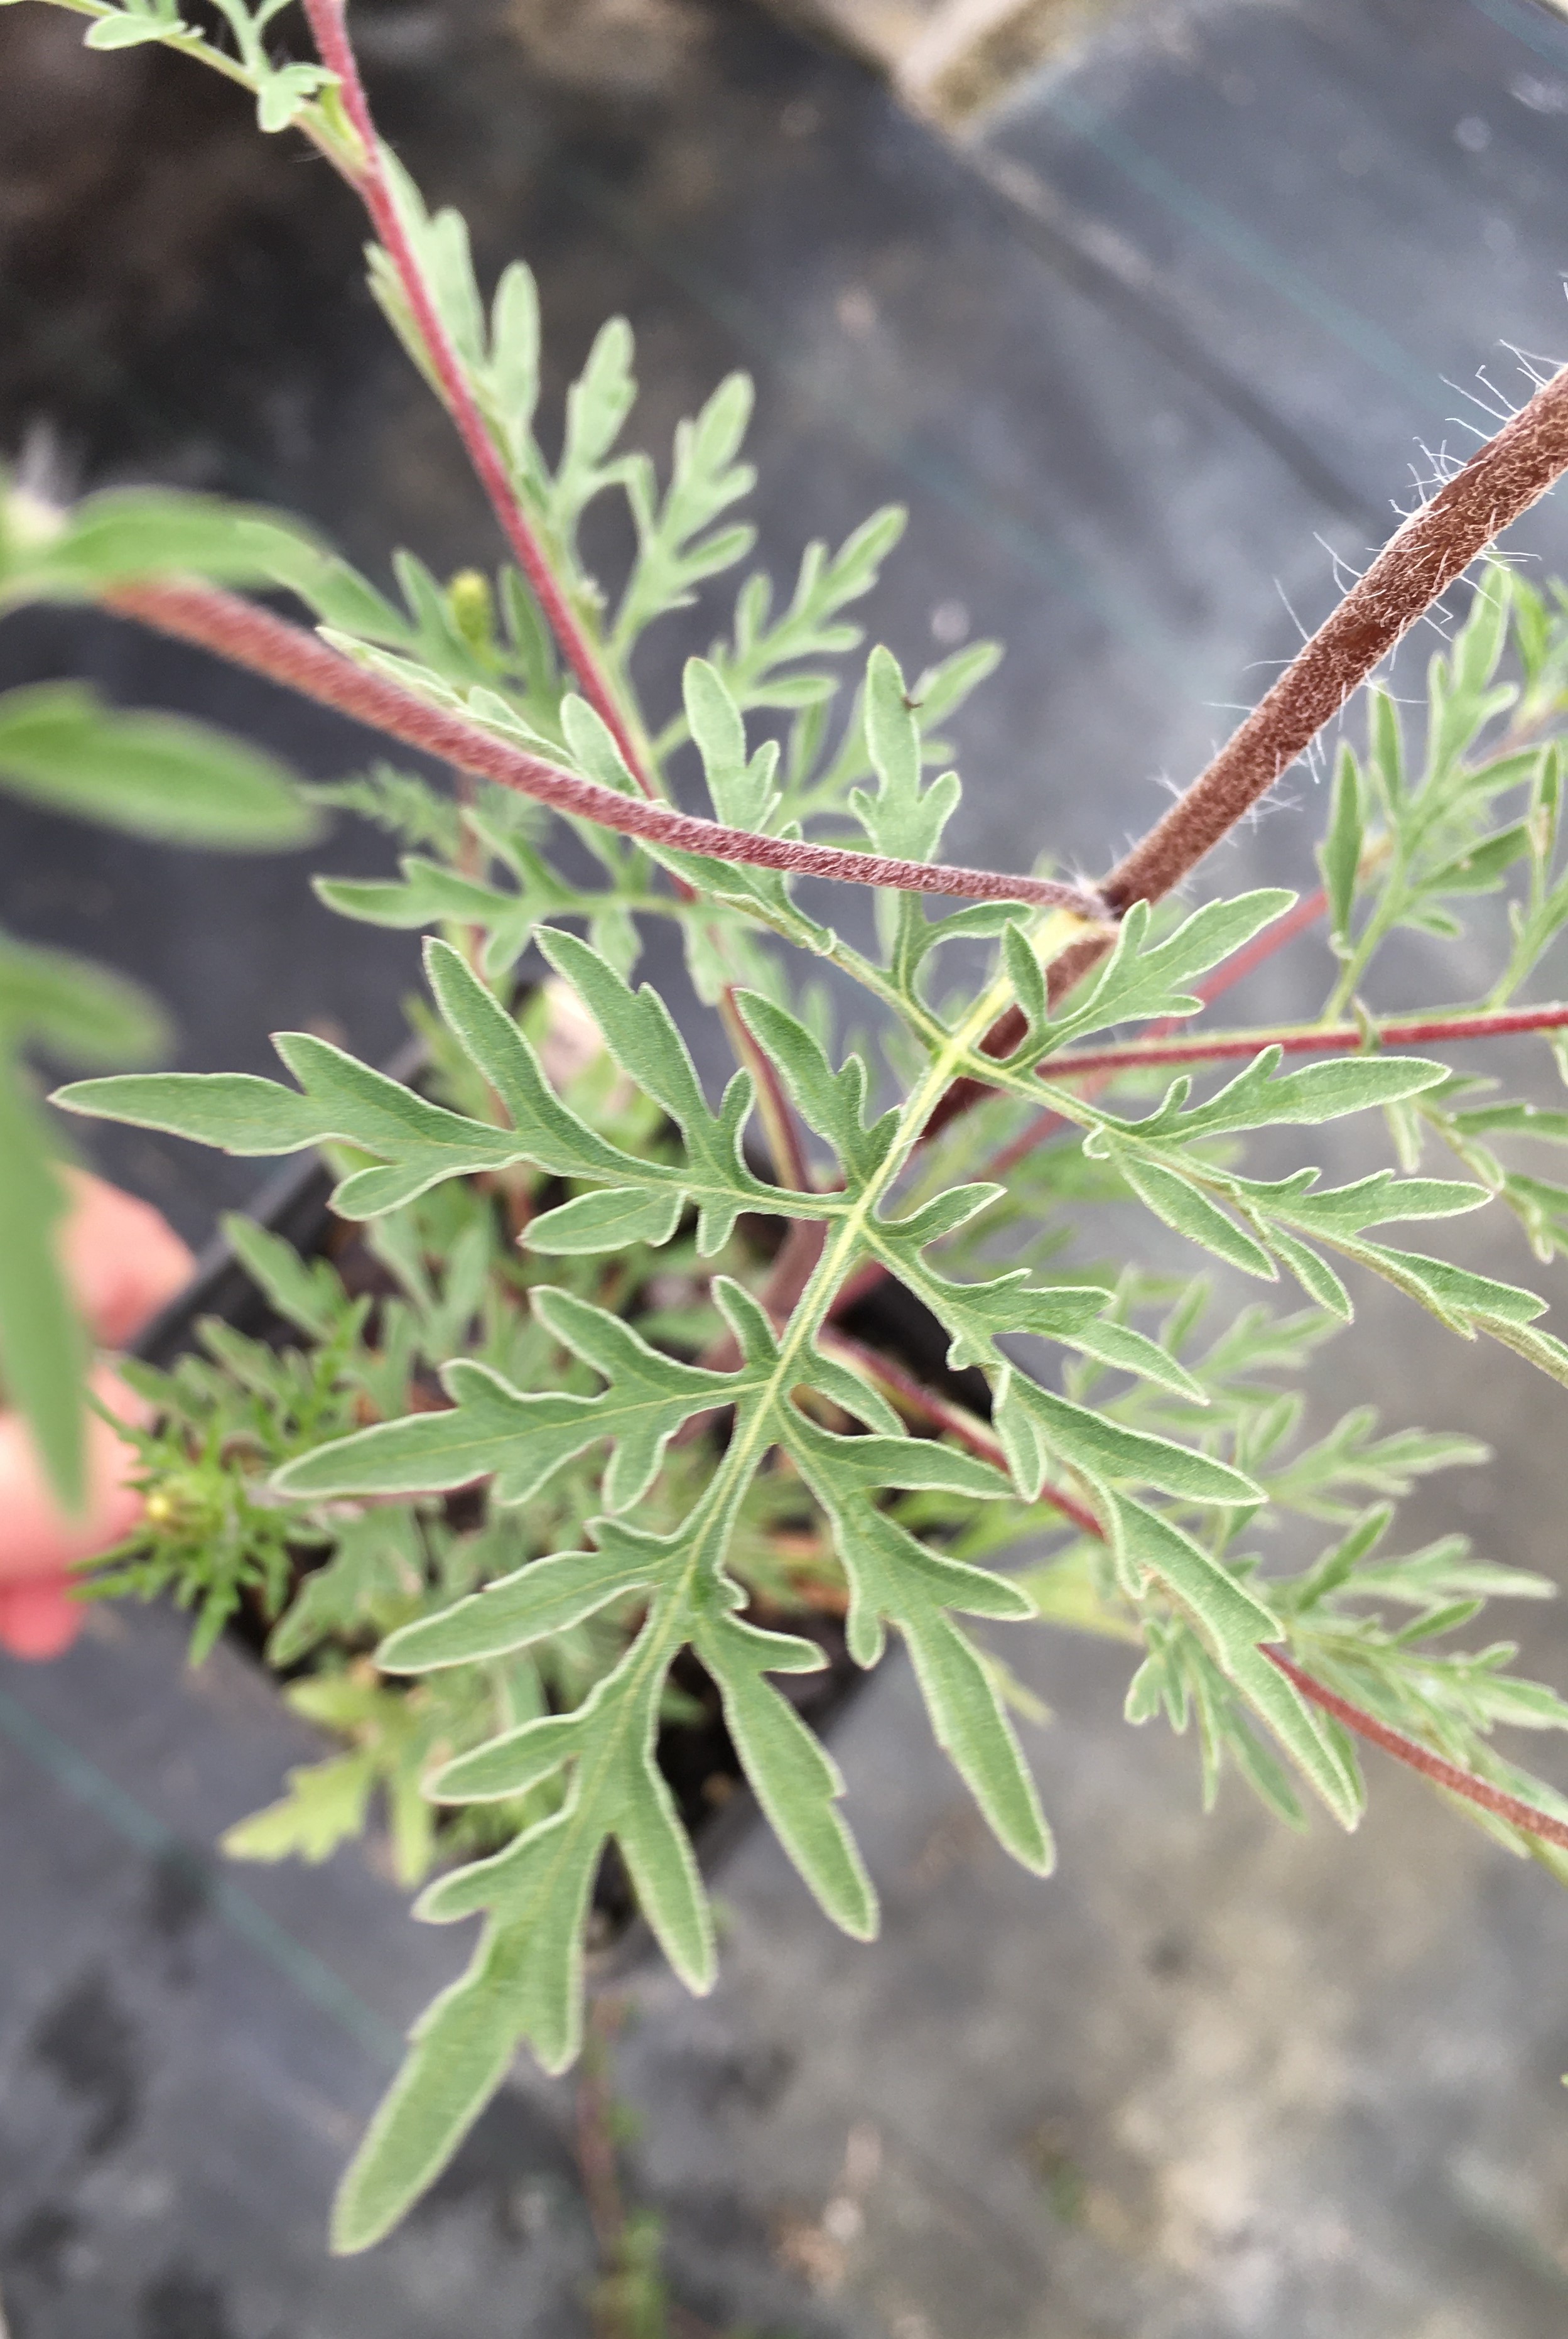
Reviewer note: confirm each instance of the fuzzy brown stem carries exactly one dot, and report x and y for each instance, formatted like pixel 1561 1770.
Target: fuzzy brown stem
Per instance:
pixel 252 637
pixel 1422 558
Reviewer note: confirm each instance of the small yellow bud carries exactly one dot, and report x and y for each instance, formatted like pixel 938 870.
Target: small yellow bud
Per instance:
pixel 473 610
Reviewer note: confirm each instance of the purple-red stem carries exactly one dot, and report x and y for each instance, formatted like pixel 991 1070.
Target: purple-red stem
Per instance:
pixel 1399 1032
pixel 252 637
pixel 330 26
pixel 982 1441
pixel 1417 1757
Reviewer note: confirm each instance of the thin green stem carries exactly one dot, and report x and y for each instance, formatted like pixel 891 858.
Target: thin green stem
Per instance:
pixel 1390 904
pixel 314 119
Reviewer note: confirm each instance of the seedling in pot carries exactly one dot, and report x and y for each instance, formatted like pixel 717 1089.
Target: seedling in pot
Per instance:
pixel 607 1429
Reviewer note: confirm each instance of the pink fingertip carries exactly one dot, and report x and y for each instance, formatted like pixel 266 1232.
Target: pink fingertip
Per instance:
pixel 37 1620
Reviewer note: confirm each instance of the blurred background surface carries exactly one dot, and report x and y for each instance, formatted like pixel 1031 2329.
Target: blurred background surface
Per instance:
pixel 1148 322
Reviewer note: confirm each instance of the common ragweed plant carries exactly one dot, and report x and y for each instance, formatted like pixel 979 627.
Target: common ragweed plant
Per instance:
pixel 601 1427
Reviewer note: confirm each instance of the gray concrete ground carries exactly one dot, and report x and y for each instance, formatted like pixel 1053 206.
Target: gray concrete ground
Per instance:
pixel 1175 324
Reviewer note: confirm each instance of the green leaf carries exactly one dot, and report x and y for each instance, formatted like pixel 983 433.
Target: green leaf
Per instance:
pixel 283 94
pixel 1184 1206
pixel 428 896
pixel 521 1440
pixel 514 372
pixel 123 534
pixel 812 626
pixel 379 1563
pixel 462 2045
pixel 663 1874
pixel 1260 1098
pixel 1311 1741
pixel 742 791
pixel 641 1035
pixel 833 1102
pixel 608 1220
pixel 1026 977
pixel 597 405
pixel 1484 866
pixel 306 1293
pixel 1139 980
pixel 837 1465
pixel 593 746
pixel 77 1012
pixel 793 1778
pixel 43 1352
pixel 159 775
pixel 679 547
pixel 1038 1424
pixel 1228 1611
pixel 327 1803
pixel 236 1111
pixel 1314 1275
pixel 130 27
pixel 548 1596
pixel 902 818
pixel 894 1576
pixel 558 1142
pixel 1339 856
pixel 1129 1352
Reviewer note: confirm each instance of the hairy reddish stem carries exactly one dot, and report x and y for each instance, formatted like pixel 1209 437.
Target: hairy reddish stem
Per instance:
pixel 1421 559
pixel 328 23
pixel 1415 567
pixel 1417 1757
pixel 1322 1039
pixel 982 1441
pixel 252 637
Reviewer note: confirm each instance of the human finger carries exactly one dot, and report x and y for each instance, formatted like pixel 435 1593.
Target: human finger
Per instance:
pixel 39 1544
pixel 120 1258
